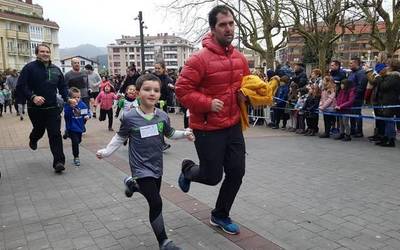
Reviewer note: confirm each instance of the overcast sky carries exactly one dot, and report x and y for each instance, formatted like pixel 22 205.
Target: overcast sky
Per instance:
pixel 101 22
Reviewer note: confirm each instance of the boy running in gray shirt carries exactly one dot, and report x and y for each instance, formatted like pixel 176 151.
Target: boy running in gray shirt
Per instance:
pixel 145 127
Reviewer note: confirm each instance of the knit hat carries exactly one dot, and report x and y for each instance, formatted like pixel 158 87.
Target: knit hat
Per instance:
pixel 270 73
pixel 379 67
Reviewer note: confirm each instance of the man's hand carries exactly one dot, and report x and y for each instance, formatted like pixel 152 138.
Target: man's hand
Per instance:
pixel 337 108
pixel 216 105
pixel 38 100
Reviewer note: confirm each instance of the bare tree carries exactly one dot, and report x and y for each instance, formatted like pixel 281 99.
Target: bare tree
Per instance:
pixel 375 11
pixel 259 22
pixel 321 23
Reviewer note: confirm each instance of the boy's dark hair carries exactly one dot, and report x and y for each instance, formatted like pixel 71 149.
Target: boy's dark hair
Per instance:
pixel 337 62
pixel 347 84
pixel 89 67
pixel 146 77
pixel 212 15
pixel 41 45
pixel 356 59
pixel 130 84
pixel 73 90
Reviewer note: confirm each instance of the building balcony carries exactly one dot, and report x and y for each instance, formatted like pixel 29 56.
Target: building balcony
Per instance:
pixel 149 52
pixel 171 59
pixel 12 51
pixel 170 52
pixel 11 34
pixel 24 53
pixel 23 35
pixel 47 39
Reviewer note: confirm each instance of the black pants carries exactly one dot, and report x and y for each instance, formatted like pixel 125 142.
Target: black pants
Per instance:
pixel 312 122
pixel 280 115
pixel 109 113
pixel 220 151
pixel 301 121
pixel 76 139
pixel 1 109
pixel 356 124
pixel 150 188
pixel 7 103
pixel 50 120
pixel 329 122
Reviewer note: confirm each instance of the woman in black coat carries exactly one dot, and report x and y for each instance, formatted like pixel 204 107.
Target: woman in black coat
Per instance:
pixel 167 85
pixel 388 93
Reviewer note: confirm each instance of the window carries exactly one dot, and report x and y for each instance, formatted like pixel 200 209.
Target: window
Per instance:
pixel 116 50
pixel 83 63
pixel 117 64
pixel 116 57
pixel 131 57
pixel 131 49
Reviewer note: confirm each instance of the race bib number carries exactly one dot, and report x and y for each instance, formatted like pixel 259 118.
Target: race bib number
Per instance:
pixel 84 111
pixel 147 131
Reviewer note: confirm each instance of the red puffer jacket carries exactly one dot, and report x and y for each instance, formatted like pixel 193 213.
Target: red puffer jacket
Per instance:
pixel 214 72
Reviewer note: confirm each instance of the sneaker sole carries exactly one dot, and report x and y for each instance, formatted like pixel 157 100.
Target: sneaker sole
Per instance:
pixel 217 225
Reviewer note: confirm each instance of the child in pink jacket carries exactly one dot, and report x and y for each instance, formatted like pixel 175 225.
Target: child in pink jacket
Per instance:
pixel 344 102
pixel 106 99
pixel 328 104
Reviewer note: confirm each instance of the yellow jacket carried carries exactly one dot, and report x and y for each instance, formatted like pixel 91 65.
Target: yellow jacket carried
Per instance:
pixel 258 93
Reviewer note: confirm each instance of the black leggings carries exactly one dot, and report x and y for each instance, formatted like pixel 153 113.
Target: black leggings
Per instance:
pixel 150 188
pixel 76 139
pixel 109 113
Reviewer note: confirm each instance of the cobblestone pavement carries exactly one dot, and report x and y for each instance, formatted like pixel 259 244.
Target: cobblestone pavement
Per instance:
pixel 298 193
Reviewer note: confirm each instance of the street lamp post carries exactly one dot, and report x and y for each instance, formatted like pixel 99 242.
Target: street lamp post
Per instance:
pixel 141 22
pixel 239 23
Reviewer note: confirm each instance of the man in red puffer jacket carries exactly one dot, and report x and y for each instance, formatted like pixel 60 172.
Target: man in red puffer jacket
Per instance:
pixel 209 87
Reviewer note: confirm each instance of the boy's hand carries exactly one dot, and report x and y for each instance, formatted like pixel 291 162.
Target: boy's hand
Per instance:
pixel 87 118
pixel 99 154
pixel 189 134
pixel 72 102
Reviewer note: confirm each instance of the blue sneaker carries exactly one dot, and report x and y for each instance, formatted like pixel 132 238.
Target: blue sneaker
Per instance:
pixel 225 224
pixel 184 183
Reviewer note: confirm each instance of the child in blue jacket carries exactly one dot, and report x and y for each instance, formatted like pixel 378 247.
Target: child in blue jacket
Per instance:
pixel 281 98
pixel 75 115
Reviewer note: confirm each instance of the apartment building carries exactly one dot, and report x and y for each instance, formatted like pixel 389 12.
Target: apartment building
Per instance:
pixel 353 43
pixel 171 49
pixel 22 27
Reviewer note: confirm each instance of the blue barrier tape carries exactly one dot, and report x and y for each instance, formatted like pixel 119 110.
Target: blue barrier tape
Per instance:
pixel 361 107
pixel 368 117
